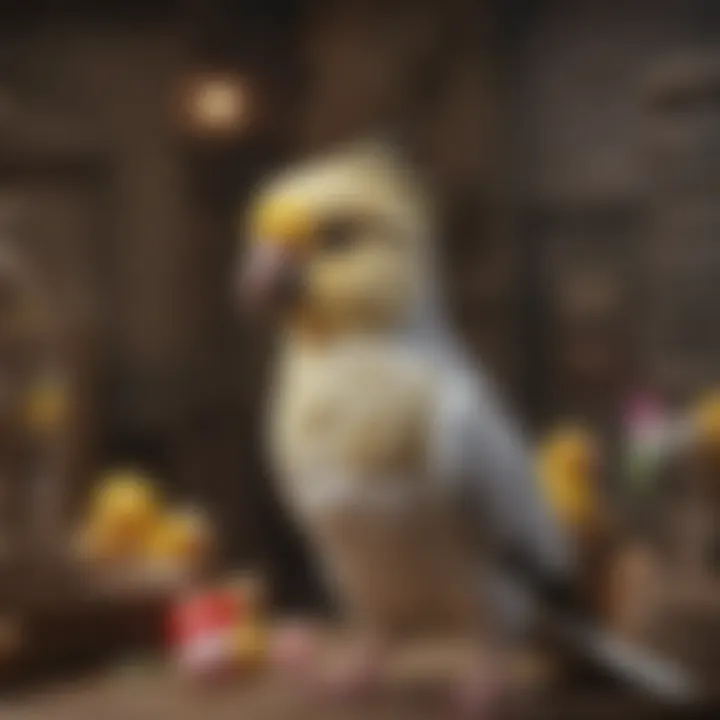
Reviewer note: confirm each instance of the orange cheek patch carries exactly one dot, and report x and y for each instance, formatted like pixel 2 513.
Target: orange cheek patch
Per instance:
pixel 285 223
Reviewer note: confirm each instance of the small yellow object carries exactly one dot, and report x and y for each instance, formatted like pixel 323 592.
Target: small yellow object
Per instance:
pixel 251 644
pixel 181 536
pixel 706 419
pixel 251 637
pixel 47 404
pixel 567 466
pixel 123 513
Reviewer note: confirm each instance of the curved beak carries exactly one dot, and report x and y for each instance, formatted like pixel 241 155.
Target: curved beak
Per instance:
pixel 270 277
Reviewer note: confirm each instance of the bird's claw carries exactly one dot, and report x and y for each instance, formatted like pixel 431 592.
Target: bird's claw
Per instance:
pixel 481 692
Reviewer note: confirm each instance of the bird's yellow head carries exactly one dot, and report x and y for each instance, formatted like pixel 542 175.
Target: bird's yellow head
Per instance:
pixel 338 244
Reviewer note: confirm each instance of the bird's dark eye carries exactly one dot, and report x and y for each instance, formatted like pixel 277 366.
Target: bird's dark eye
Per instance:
pixel 338 233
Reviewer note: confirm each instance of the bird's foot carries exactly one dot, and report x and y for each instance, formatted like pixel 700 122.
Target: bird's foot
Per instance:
pixel 482 690
pixel 355 672
pixel 294 649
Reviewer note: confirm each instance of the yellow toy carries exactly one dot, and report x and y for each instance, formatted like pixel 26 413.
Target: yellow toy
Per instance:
pixel 127 523
pixel 252 645
pixel 123 513
pixel 568 464
pixel 705 419
pixel 251 638
pixel 182 537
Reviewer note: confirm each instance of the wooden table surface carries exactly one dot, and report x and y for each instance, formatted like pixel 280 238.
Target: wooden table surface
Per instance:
pixel 155 692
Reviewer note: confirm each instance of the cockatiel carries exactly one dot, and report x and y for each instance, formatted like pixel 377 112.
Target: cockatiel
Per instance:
pixel 392 454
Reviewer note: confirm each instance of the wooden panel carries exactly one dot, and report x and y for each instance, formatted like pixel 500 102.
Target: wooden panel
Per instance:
pixel 54 232
pixel 679 244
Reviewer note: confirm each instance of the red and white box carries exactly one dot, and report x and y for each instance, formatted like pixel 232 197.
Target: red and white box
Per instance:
pixel 203 627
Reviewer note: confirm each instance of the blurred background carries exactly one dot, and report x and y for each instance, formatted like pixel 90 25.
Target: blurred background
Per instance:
pixel 574 147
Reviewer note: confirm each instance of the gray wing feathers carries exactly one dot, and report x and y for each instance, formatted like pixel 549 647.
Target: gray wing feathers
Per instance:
pixel 486 454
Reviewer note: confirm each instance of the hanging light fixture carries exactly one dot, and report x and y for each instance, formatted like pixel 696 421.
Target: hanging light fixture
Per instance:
pixel 217 103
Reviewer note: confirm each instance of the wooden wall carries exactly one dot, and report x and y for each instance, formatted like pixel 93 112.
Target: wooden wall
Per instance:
pixel 599 184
